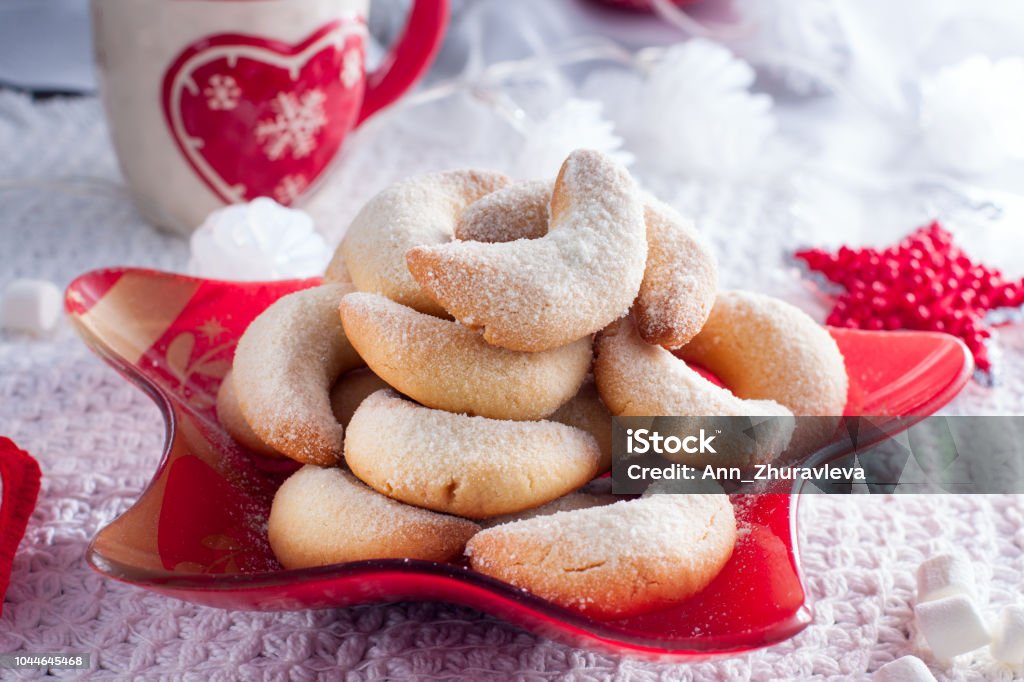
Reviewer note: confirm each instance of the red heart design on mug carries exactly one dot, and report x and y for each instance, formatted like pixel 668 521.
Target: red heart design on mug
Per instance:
pixel 258 117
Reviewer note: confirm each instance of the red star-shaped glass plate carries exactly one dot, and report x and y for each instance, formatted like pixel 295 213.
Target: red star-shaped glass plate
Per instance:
pixel 198 531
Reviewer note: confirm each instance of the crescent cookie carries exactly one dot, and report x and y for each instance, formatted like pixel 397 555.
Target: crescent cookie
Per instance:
pixel 348 392
pixel 285 365
pixel 571 502
pixel 767 349
pixel 418 211
pixel 444 365
pixel 324 516
pixel 519 211
pixel 637 379
pixel 537 294
pixel 617 560
pixel 230 416
pixel 585 411
pixel 680 280
pixel 337 270
pixel 469 466
pixel 351 390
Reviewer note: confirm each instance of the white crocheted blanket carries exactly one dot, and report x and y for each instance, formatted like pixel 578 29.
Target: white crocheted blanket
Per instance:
pixel 62 211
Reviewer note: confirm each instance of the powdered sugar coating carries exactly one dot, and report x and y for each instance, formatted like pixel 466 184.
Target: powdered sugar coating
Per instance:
pixel 519 211
pixel 337 270
pixel 638 379
pixel 578 500
pixel 617 560
pixel 416 211
pixel 346 394
pixel 444 365
pixel 681 277
pixel 680 281
pixel 284 367
pixel 323 516
pixel 537 294
pixel 767 349
pixel 230 416
pixel 469 466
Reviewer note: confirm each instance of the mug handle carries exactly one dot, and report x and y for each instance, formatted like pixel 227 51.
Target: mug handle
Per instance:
pixel 408 58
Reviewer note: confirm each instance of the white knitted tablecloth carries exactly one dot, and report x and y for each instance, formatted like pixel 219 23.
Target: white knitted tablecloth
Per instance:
pixel 99 439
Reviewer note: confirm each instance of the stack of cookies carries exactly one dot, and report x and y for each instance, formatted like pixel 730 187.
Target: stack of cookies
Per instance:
pixel 441 386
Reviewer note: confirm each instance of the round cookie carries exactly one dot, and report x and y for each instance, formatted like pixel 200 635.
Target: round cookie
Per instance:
pixel 585 411
pixel 767 349
pixel 416 211
pixel 326 516
pixel 230 416
pixel 351 390
pixel 285 365
pixel 537 294
pixel 613 561
pixel 444 365
pixel 469 466
pixel 680 279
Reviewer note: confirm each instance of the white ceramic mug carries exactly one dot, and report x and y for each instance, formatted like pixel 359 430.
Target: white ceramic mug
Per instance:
pixel 212 102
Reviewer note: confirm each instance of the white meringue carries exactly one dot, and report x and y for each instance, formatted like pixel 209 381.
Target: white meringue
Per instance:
pixel 259 240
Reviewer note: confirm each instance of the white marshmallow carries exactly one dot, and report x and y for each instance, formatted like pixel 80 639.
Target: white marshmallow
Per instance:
pixel 1008 636
pixel 906 669
pixel 31 305
pixel 944 575
pixel 951 626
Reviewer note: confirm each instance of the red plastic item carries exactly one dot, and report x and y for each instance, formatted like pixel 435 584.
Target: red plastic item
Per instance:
pixel 409 57
pixel 21 477
pixel 197 532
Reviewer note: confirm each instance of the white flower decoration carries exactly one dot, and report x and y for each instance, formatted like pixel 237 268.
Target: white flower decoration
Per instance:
pixel 576 124
pixel 972 114
pixel 693 112
pixel 260 240
pixel 799 40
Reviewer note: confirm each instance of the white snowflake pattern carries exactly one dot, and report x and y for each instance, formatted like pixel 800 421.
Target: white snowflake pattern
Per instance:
pixel 351 68
pixel 222 92
pixel 295 126
pixel 290 188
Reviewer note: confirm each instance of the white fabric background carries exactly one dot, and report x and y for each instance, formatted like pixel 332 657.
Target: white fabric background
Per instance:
pixel 62 211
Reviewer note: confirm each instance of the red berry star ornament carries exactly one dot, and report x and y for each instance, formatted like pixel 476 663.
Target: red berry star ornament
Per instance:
pixel 924 282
